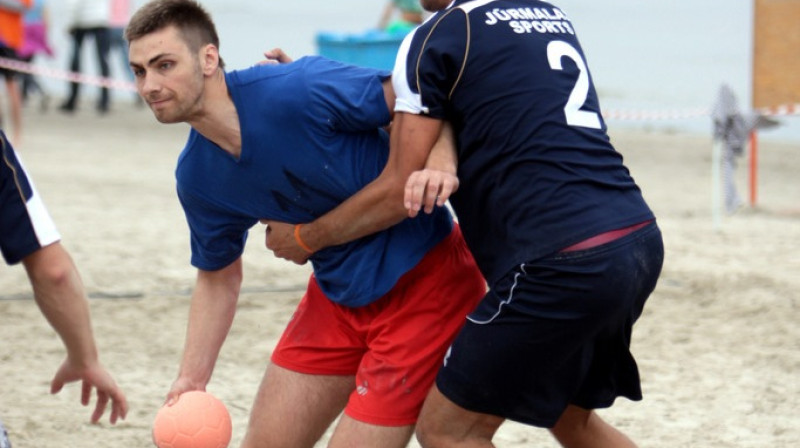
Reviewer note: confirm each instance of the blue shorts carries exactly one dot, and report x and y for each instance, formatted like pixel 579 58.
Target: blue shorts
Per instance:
pixel 25 225
pixel 556 331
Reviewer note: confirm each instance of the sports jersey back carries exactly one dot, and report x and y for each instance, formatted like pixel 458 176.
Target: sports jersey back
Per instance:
pixel 537 169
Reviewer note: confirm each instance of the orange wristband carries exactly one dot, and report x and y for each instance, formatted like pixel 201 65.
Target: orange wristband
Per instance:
pixel 299 240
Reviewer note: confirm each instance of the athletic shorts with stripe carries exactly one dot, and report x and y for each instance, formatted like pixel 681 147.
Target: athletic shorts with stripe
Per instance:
pixel 25 224
pixel 395 345
pixel 556 331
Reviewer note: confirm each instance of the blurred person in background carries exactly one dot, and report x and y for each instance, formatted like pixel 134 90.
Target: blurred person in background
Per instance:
pixel 120 15
pixel 36 23
pixel 89 18
pixel 400 16
pixel 11 38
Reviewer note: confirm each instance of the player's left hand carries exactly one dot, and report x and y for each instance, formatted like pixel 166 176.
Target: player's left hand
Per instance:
pixel 279 238
pixel 93 377
pixel 428 188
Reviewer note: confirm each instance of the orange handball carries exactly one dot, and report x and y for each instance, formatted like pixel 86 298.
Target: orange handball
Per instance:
pixel 197 420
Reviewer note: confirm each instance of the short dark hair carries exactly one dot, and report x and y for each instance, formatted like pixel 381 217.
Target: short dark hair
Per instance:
pixel 192 21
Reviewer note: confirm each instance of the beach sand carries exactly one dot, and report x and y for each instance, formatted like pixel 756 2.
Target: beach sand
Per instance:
pixel 718 345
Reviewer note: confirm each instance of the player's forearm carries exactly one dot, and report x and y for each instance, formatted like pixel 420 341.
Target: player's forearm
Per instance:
pixel 376 207
pixel 60 295
pixel 379 205
pixel 443 156
pixel 211 315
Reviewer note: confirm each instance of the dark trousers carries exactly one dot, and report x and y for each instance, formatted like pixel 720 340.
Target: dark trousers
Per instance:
pixel 102 42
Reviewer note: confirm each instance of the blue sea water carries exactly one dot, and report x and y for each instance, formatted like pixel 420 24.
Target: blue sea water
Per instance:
pixel 643 55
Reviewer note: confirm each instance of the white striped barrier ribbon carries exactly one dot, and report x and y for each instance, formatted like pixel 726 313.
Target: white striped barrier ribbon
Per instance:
pixel 624 115
pixel 100 81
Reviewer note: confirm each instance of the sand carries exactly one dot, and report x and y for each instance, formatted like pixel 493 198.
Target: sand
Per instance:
pixel 718 345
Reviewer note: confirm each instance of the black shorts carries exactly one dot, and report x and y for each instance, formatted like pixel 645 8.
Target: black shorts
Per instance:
pixel 25 224
pixel 8 53
pixel 555 332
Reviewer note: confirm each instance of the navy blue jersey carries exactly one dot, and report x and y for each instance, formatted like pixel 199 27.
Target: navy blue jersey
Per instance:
pixel 311 138
pixel 538 171
pixel 25 225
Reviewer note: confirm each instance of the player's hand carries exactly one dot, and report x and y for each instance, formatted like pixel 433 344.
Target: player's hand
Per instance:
pixel 428 188
pixel 180 387
pixel 279 238
pixel 93 377
pixel 275 56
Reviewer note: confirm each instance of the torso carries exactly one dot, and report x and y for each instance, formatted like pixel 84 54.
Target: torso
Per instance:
pixel 537 169
pixel 302 154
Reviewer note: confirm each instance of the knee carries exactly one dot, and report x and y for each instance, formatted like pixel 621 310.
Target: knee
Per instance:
pixel 433 433
pixel 428 437
pixel 579 427
pixel 572 425
pixel 473 433
pixel 423 433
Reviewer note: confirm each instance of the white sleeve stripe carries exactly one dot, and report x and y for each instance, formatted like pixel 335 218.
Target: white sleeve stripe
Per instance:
pixel 406 100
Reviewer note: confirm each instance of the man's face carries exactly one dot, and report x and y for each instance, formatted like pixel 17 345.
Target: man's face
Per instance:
pixel 169 77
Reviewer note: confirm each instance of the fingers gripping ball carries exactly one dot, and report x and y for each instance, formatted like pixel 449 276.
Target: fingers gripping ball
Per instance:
pixel 197 420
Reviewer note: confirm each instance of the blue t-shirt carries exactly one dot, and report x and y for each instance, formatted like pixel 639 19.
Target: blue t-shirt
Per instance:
pixel 311 137
pixel 538 171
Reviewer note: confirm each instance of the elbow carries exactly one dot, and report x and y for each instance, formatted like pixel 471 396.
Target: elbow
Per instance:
pixel 225 282
pixel 234 277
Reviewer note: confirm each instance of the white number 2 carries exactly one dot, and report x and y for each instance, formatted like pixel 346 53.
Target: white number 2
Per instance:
pixel 575 116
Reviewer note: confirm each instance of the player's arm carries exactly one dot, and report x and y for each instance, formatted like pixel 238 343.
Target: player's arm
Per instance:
pixel 375 207
pixel 433 185
pixel 211 314
pixel 416 142
pixel 60 295
pixel 381 203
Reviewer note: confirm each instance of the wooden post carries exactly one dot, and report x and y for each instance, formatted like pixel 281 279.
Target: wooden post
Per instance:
pixel 776 64
pixel 776 53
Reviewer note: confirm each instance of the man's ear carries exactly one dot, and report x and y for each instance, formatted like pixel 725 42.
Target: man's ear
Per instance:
pixel 209 55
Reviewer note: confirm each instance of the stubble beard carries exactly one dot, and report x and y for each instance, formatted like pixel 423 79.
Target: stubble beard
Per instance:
pixel 180 111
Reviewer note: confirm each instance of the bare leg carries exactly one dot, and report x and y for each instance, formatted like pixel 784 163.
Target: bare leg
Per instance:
pixel 293 410
pixel 15 109
pixel 350 433
pixel 442 424
pixel 579 428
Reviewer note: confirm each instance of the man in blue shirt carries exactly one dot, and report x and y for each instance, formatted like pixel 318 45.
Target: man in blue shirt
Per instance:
pixel 559 228
pixel 289 142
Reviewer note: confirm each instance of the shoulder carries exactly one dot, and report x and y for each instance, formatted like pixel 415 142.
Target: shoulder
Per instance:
pixel 297 72
pixel 450 25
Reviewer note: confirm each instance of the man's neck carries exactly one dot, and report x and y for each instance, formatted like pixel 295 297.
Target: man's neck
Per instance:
pixel 219 121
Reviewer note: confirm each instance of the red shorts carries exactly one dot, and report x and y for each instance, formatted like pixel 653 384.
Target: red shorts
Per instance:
pixel 395 345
